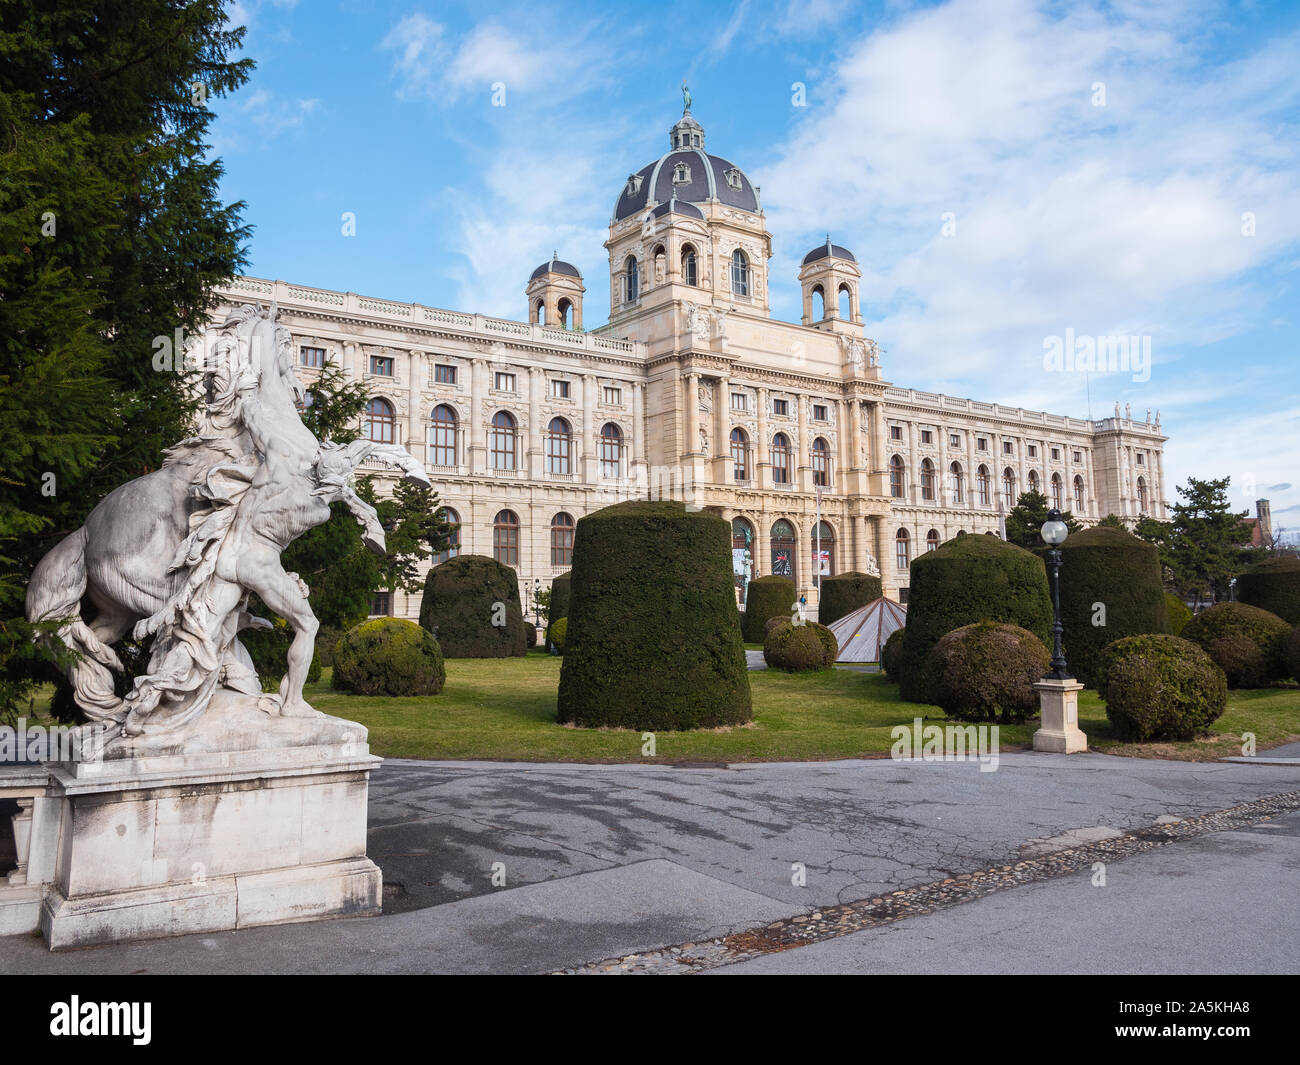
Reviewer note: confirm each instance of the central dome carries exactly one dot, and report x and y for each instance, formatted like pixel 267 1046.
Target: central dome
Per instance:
pixel 688 174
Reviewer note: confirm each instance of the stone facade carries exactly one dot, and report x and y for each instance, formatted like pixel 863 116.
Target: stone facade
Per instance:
pixel 692 390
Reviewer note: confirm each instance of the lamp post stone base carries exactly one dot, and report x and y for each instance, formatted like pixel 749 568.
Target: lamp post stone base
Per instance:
pixel 1059 704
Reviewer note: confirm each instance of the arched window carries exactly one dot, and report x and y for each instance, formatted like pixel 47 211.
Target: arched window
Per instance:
pixel 1142 495
pixel 453 532
pixel 1057 495
pixel 501 441
pixel 955 485
pixel 897 479
pixel 381 424
pixel 818 301
pixel 845 304
pixel 780 459
pixel 932 540
pixel 442 437
pixel 739 273
pixel 1078 496
pixel 559 447
pixel 611 451
pixel 983 486
pixel 565 309
pixel 690 266
pixel 660 259
pixel 821 463
pixel 631 279
pixel 927 480
pixel 902 550
pixel 505 538
pixel 562 540
pixel 739 455
pixel 539 312
pixel 1033 481
pixel 783 557
pixel 826 535
pixel 1009 487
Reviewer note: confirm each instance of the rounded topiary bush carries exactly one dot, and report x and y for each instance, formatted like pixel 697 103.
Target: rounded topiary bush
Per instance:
pixel 269 650
pixel 987 672
pixel 829 642
pixel 1111 587
pixel 891 655
pixel 1244 641
pixel 388 656
pixel 844 593
pixel 969 579
pixel 1179 614
pixel 767 597
pixel 556 633
pixel 1273 585
pixel 472 604
pixel 654 637
pixel 772 623
pixel 561 589
pixel 1291 654
pixel 1160 687
pixel 796 648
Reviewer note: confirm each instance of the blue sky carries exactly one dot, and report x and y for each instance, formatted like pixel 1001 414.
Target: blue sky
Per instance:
pixel 1103 169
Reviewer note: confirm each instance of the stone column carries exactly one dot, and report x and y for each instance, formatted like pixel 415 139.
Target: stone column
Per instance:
pixel 801 475
pixel 763 446
pixel 535 461
pixel 722 432
pixel 590 431
pixel 417 436
pixel 475 440
pixel 691 405
pixel 641 446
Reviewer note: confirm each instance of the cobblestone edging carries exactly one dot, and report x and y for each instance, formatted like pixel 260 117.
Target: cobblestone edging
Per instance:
pixel 832 921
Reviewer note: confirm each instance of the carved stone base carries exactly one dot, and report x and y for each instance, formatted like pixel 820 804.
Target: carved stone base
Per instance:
pixel 1059 704
pixel 208 841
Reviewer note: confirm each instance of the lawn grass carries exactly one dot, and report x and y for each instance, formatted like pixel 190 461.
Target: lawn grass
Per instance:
pixel 504 709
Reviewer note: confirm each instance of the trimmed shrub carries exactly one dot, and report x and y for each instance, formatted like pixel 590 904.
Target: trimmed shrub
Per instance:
pixel 1114 568
pixel 460 601
pixel 388 656
pixel 794 648
pixel 1244 641
pixel 969 579
pixel 1160 687
pixel 269 650
pixel 767 597
pixel 1291 654
pixel 561 589
pixel 987 672
pixel 556 633
pixel 1179 614
pixel 844 593
pixel 780 619
pixel 1273 585
pixel 829 642
pixel 891 655
pixel 530 635
pixel 655 641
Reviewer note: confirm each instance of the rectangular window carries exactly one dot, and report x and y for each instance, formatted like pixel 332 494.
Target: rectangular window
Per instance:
pixel 1142 459
pixel 1056 454
pixel 954 440
pixel 614 396
pixel 1078 456
pixel 902 596
pixel 560 389
pixel 781 406
pixel 895 432
pixel 381 604
pixel 819 413
pixel 381 366
pixel 1008 448
pixel 927 436
pixel 1033 451
pixel 504 382
pixel 444 375
pixel 981 443
pixel 738 401
pixel 313 358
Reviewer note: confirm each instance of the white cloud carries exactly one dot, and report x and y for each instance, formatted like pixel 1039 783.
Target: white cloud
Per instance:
pixel 421 50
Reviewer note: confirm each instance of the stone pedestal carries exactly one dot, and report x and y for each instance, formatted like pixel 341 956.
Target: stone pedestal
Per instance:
pixel 1059 703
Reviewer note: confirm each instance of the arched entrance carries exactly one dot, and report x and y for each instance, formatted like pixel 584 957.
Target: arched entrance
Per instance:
pixel 823 539
pixel 742 556
pixel 783 550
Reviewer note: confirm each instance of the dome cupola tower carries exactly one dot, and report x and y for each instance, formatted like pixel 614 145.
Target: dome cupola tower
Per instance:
pixel 830 279
pixel 554 294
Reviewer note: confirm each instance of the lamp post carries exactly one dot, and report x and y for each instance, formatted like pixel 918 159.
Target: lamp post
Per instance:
pixel 1058 692
pixel 1054 533
pixel 537 605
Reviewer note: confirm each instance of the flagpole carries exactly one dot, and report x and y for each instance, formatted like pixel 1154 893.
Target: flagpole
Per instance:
pixel 818 535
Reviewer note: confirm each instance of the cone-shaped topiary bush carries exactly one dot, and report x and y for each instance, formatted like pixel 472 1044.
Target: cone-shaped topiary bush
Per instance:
pixel 767 598
pixel 556 634
pixel 653 639
pixel 561 588
pixel 969 579
pixel 388 656
pixel 1291 654
pixel 891 655
pixel 1273 585
pixel 1179 614
pixel 1244 641
pixel 473 603
pixel 844 593
pixel 1160 687
pixel 1110 588
pixel 987 672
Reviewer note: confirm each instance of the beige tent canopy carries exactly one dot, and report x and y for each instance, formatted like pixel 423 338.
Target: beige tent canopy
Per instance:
pixel 863 633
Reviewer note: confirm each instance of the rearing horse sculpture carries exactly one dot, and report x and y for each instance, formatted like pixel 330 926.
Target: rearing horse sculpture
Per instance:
pixel 175 554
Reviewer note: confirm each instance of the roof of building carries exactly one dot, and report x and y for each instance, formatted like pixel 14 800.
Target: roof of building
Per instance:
pixel 863 633
pixel 823 251
pixel 555 266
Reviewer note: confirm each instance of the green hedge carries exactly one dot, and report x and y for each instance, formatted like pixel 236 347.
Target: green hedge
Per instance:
pixel 269 650
pixel 388 656
pixel 767 598
pixel 844 593
pixel 1273 585
pixel 556 634
pixel 1160 687
pixel 891 654
pixel 653 638
pixel 799 648
pixel 561 589
pixel 1179 614
pixel 1115 569
pixel 1244 641
pixel 1291 654
pixel 460 602
pixel 969 579
pixel 987 672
